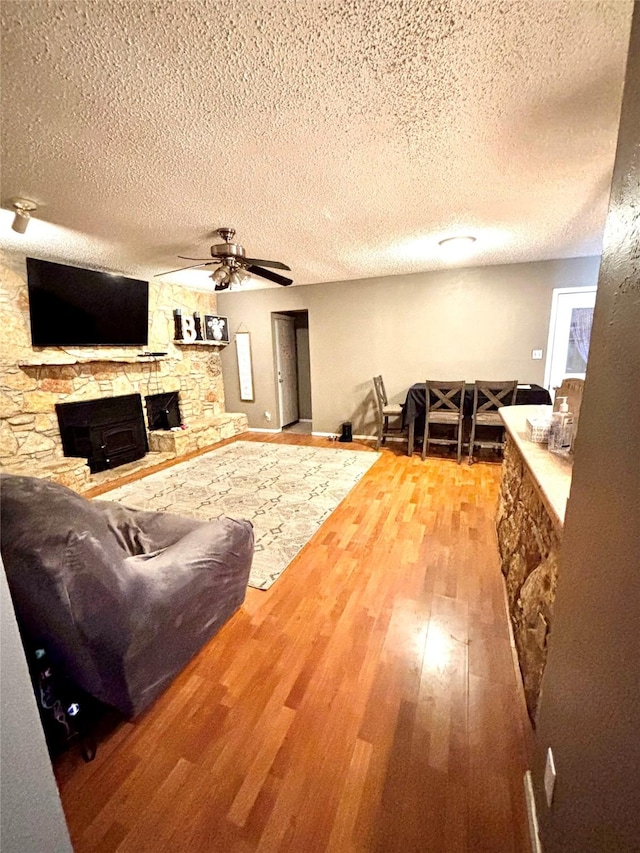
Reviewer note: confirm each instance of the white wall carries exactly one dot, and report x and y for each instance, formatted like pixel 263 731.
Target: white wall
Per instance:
pixel 31 817
pixel 474 323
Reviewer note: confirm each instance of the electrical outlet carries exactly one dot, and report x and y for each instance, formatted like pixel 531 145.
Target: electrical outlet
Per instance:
pixel 267 416
pixel 536 354
pixel 549 777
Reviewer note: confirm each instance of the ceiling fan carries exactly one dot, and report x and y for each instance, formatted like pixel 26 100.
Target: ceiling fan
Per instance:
pixel 234 265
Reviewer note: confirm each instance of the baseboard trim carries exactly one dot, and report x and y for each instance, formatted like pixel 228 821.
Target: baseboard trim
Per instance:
pixel 393 438
pixel 258 429
pixel 359 437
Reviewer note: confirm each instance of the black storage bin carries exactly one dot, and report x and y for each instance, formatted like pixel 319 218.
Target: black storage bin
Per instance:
pixel 347 434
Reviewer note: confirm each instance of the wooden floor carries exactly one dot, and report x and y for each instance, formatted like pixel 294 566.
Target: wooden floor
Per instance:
pixel 367 702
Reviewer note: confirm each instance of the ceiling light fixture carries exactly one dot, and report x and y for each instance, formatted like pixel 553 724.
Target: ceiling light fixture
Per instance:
pixel 227 277
pixel 220 276
pixel 454 246
pixel 23 208
pixel 235 280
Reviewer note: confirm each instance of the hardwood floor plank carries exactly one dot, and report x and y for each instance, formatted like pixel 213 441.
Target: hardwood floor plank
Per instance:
pixel 368 701
pixel 341 838
pixel 257 773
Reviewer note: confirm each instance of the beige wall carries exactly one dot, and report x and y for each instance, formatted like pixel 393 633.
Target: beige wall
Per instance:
pixel 480 322
pixel 590 706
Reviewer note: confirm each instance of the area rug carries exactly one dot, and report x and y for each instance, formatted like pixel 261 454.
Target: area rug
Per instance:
pixel 287 491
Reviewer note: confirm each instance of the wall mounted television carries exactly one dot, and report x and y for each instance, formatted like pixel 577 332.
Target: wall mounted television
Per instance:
pixel 70 306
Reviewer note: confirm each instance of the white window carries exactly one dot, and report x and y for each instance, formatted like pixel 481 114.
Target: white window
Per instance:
pixel 569 334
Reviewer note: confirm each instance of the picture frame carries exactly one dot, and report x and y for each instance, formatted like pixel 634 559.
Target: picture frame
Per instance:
pixel 216 329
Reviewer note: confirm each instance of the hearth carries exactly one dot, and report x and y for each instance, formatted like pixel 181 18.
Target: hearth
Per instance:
pixel 163 410
pixel 109 431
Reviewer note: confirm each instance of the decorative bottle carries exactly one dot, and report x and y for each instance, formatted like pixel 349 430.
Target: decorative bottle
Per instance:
pixel 177 323
pixel 198 325
pixel 561 431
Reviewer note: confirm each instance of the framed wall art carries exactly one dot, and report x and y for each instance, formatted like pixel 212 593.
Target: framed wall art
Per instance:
pixel 216 329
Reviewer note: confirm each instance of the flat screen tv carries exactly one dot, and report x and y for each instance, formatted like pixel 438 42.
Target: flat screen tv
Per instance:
pixel 70 306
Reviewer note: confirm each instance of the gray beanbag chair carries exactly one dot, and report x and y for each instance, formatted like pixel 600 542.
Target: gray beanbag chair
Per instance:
pixel 121 598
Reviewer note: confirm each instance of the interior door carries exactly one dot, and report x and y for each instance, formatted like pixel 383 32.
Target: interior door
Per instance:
pixel 286 368
pixel 569 334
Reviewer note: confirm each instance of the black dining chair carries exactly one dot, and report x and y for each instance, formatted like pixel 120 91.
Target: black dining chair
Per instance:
pixel 444 405
pixel 488 399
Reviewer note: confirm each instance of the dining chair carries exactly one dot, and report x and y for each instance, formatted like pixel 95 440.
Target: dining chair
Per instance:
pixel 488 398
pixel 385 411
pixel 444 405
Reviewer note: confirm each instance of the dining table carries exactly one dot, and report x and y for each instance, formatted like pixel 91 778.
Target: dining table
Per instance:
pixel 414 407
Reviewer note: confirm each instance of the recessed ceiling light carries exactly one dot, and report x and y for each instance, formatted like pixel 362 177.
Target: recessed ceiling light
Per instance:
pixel 456 248
pixel 457 242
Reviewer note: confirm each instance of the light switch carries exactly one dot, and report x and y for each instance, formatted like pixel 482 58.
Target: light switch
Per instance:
pixel 536 354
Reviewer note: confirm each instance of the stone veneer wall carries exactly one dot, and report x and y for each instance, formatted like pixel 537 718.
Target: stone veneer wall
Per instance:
pixel 529 545
pixel 29 437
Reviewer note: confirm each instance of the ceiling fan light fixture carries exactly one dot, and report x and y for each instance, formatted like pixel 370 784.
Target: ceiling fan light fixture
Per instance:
pixel 235 279
pixel 220 276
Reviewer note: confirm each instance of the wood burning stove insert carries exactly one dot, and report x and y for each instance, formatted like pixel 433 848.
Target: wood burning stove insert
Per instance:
pixel 108 432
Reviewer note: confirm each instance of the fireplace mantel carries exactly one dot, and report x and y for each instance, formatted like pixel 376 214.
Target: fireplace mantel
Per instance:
pixel 62 359
pixel 201 343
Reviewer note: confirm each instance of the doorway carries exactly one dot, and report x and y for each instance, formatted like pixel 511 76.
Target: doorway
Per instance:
pixel 292 369
pixel 569 334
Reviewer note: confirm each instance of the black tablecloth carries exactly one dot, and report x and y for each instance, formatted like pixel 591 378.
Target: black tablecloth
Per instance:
pixel 414 405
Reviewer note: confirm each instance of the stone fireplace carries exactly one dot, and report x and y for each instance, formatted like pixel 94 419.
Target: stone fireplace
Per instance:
pixel 35 382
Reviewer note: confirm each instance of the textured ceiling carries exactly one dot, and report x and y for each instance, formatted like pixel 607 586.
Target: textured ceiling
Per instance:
pixel 343 137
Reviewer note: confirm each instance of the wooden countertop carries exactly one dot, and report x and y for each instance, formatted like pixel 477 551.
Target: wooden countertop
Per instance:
pixel 551 473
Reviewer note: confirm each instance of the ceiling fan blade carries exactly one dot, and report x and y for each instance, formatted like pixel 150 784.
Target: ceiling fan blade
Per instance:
pixel 211 260
pixel 271 276
pixel 192 267
pixel 276 265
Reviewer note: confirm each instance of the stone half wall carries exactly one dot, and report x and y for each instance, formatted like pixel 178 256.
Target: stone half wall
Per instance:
pixel 29 437
pixel 529 545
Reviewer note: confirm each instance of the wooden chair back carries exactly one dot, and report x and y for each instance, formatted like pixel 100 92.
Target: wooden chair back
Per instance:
pixel 381 394
pixel 445 396
pixel 495 394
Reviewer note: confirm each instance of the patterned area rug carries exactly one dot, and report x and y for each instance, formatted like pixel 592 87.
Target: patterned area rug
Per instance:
pixel 287 491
